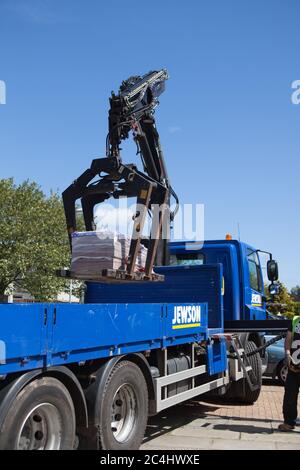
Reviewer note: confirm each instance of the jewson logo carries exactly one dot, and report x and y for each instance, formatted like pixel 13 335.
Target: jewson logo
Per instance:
pixel 2 92
pixel 256 300
pixel 2 352
pixel 296 94
pixel 186 316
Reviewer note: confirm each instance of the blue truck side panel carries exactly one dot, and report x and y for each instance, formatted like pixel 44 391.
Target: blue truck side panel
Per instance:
pixel 78 332
pixel 216 357
pixel 187 307
pixel 182 284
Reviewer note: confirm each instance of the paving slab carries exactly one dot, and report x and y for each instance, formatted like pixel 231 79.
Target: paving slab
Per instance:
pixel 177 442
pixel 289 437
pixel 189 431
pixel 232 444
pixel 199 425
pixel 287 446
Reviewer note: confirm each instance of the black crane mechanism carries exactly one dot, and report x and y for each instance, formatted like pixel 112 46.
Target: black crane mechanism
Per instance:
pixel 131 112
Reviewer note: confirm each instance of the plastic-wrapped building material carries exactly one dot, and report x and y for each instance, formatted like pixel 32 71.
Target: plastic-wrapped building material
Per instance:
pixel 92 252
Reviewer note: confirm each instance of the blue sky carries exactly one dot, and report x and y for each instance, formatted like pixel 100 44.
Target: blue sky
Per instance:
pixel 229 129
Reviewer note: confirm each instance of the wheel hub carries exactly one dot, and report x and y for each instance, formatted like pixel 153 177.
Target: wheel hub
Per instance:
pixel 41 429
pixel 123 412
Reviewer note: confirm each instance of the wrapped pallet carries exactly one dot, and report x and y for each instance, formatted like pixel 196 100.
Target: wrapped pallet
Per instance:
pixel 92 252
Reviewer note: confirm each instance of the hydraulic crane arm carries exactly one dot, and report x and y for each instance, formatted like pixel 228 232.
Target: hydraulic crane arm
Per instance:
pixel 131 110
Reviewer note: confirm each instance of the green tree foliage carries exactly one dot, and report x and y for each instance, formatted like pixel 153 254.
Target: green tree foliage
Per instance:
pixel 297 308
pixel 33 239
pixel 283 301
pixel 295 292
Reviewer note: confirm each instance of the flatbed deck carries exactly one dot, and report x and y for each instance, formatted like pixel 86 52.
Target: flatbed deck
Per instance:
pixel 123 319
pixel 44 335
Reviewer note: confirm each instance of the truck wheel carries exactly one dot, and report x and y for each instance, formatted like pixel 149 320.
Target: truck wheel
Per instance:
pixel 41 418
pixel 250 396
pixel 124 408
pixel 282 371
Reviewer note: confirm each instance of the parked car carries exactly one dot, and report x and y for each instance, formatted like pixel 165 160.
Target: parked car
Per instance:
pixel 276 367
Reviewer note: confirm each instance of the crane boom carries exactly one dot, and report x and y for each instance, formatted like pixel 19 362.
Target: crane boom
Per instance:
pixel 131 111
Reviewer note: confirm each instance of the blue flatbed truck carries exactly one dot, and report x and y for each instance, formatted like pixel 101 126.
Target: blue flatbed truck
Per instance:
pixel 89 375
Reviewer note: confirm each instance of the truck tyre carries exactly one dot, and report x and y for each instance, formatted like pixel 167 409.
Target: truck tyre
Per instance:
pixel 41 418
pixel 255 375
pixel 282 370
pixel 124 410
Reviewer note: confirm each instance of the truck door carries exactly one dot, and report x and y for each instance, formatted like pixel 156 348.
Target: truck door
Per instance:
pixel 254 289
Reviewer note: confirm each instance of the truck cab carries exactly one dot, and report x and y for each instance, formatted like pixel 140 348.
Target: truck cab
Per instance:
pixel 243 286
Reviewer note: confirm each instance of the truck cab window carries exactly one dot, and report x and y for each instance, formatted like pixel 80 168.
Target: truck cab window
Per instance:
pixel 254 271
pixel 187 259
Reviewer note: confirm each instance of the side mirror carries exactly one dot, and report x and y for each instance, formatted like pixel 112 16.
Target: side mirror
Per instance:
pixel 272 270
pixel 274 289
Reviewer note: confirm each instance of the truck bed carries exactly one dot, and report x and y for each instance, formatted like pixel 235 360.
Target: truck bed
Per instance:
pixel 42 335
